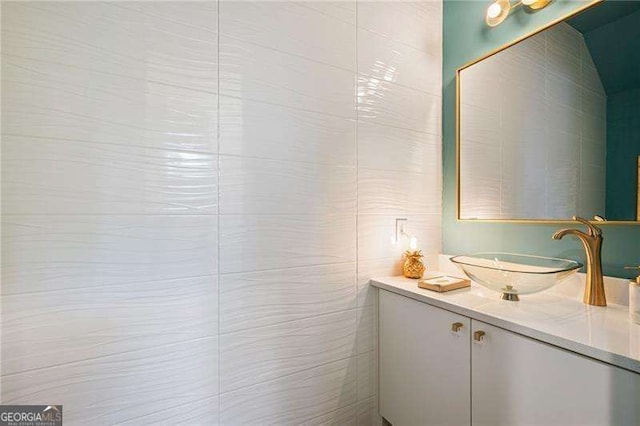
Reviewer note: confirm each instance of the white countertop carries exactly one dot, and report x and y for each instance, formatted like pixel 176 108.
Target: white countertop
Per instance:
pixel 603 333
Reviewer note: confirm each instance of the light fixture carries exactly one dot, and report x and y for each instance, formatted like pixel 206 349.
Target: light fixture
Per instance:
pixel 498 11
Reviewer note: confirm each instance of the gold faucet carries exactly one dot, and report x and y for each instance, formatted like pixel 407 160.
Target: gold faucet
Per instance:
pixel 592 242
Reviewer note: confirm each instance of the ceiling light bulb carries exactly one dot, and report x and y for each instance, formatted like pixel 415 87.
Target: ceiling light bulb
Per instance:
pixel 494 10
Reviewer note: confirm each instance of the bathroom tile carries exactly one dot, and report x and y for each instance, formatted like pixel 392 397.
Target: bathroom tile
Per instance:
pixel 346 416
pixel 53 176
pixel 293 399
pixel 102 321
pixel 391 192
pixel 478 125
pixel 385 59
pixel 376 235
pixel 124 386
pixel 260 354
pixel 367 323
pixel 60 252
pixel 293 28
pixel 480 201
pixel 521 109
pixel 594 104
pixel 259 242
pixel 60 102
pixel 367 412
pixel 367 374
pixel 591 203
pixel 594 128
pixel 418 24
pixel 342 10
pixel 593 177
pixel 106 38
pixel 562 91
pixel 480 161
pixel 249 71
pixel 254 299
pixel 479 84
pixel 371 268
pixel 524 65
pixel 390 104
pixel 257 129
pixel 194 13
pixel 200 411
pixel 259 186
pixel 391 148
pixel 593 151
pixel 560 118
pixel 565 39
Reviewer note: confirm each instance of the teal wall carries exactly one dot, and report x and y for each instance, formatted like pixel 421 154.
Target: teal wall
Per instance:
pixel 623 148
pixel 466 37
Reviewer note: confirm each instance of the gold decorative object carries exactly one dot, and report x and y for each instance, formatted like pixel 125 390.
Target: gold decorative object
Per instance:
pixel 413 266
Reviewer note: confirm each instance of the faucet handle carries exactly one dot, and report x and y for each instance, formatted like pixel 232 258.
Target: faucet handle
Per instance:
pixel 593 230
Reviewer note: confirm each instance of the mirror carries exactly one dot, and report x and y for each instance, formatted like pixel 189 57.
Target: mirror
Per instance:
pixel 549 127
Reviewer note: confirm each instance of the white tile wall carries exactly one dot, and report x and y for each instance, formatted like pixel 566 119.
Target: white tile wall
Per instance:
pixel 188 257
pixel 524 150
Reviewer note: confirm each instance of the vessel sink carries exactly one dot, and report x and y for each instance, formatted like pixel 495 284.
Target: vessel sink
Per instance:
pixel 515 274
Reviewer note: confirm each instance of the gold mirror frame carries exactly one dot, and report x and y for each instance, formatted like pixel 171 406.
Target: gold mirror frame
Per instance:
pixel 481 58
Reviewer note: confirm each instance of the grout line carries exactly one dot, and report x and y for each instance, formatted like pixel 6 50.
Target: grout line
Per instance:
pixel 357 236
pixel 219 360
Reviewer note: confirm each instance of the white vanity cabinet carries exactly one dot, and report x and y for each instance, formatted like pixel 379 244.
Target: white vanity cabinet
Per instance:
pixel 431 376
pixel 424 363
pixel 517 380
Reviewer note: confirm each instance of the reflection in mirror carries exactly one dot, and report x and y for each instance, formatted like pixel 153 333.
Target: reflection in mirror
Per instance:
pixel 550 127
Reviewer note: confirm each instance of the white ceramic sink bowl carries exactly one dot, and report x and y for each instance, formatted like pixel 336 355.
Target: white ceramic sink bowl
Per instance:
pixel 515 274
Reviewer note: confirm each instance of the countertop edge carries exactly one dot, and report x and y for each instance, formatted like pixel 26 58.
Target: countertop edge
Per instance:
pixel 554 340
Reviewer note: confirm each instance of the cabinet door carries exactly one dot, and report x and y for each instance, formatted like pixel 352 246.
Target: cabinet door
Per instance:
pixel 521 381
pixel 424 365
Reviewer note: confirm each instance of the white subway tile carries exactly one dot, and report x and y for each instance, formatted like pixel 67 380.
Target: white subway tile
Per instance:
pixel 418 24
pixel 60 102
pixel 346 416
pixel 291 27
pixel 124 386
pixel 259 242
pixel 367 323
pixel 392 192
pixel 293 399
pixel 249 71
pixel 106 38
pixel 372 268
pixel 52 176
pixel 392 148
pixel 390 104
pixel 367 374
pixel 260 354
pixel 257 129
pixel 100 321
pixel 259 186
pixel 254 299
pixel 385 59
pixel 43 253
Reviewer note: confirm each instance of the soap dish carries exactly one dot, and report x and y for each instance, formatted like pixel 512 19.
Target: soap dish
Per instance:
pixel 443 283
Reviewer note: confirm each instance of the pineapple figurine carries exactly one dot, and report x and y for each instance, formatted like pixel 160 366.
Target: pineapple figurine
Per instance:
pixel 413 266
